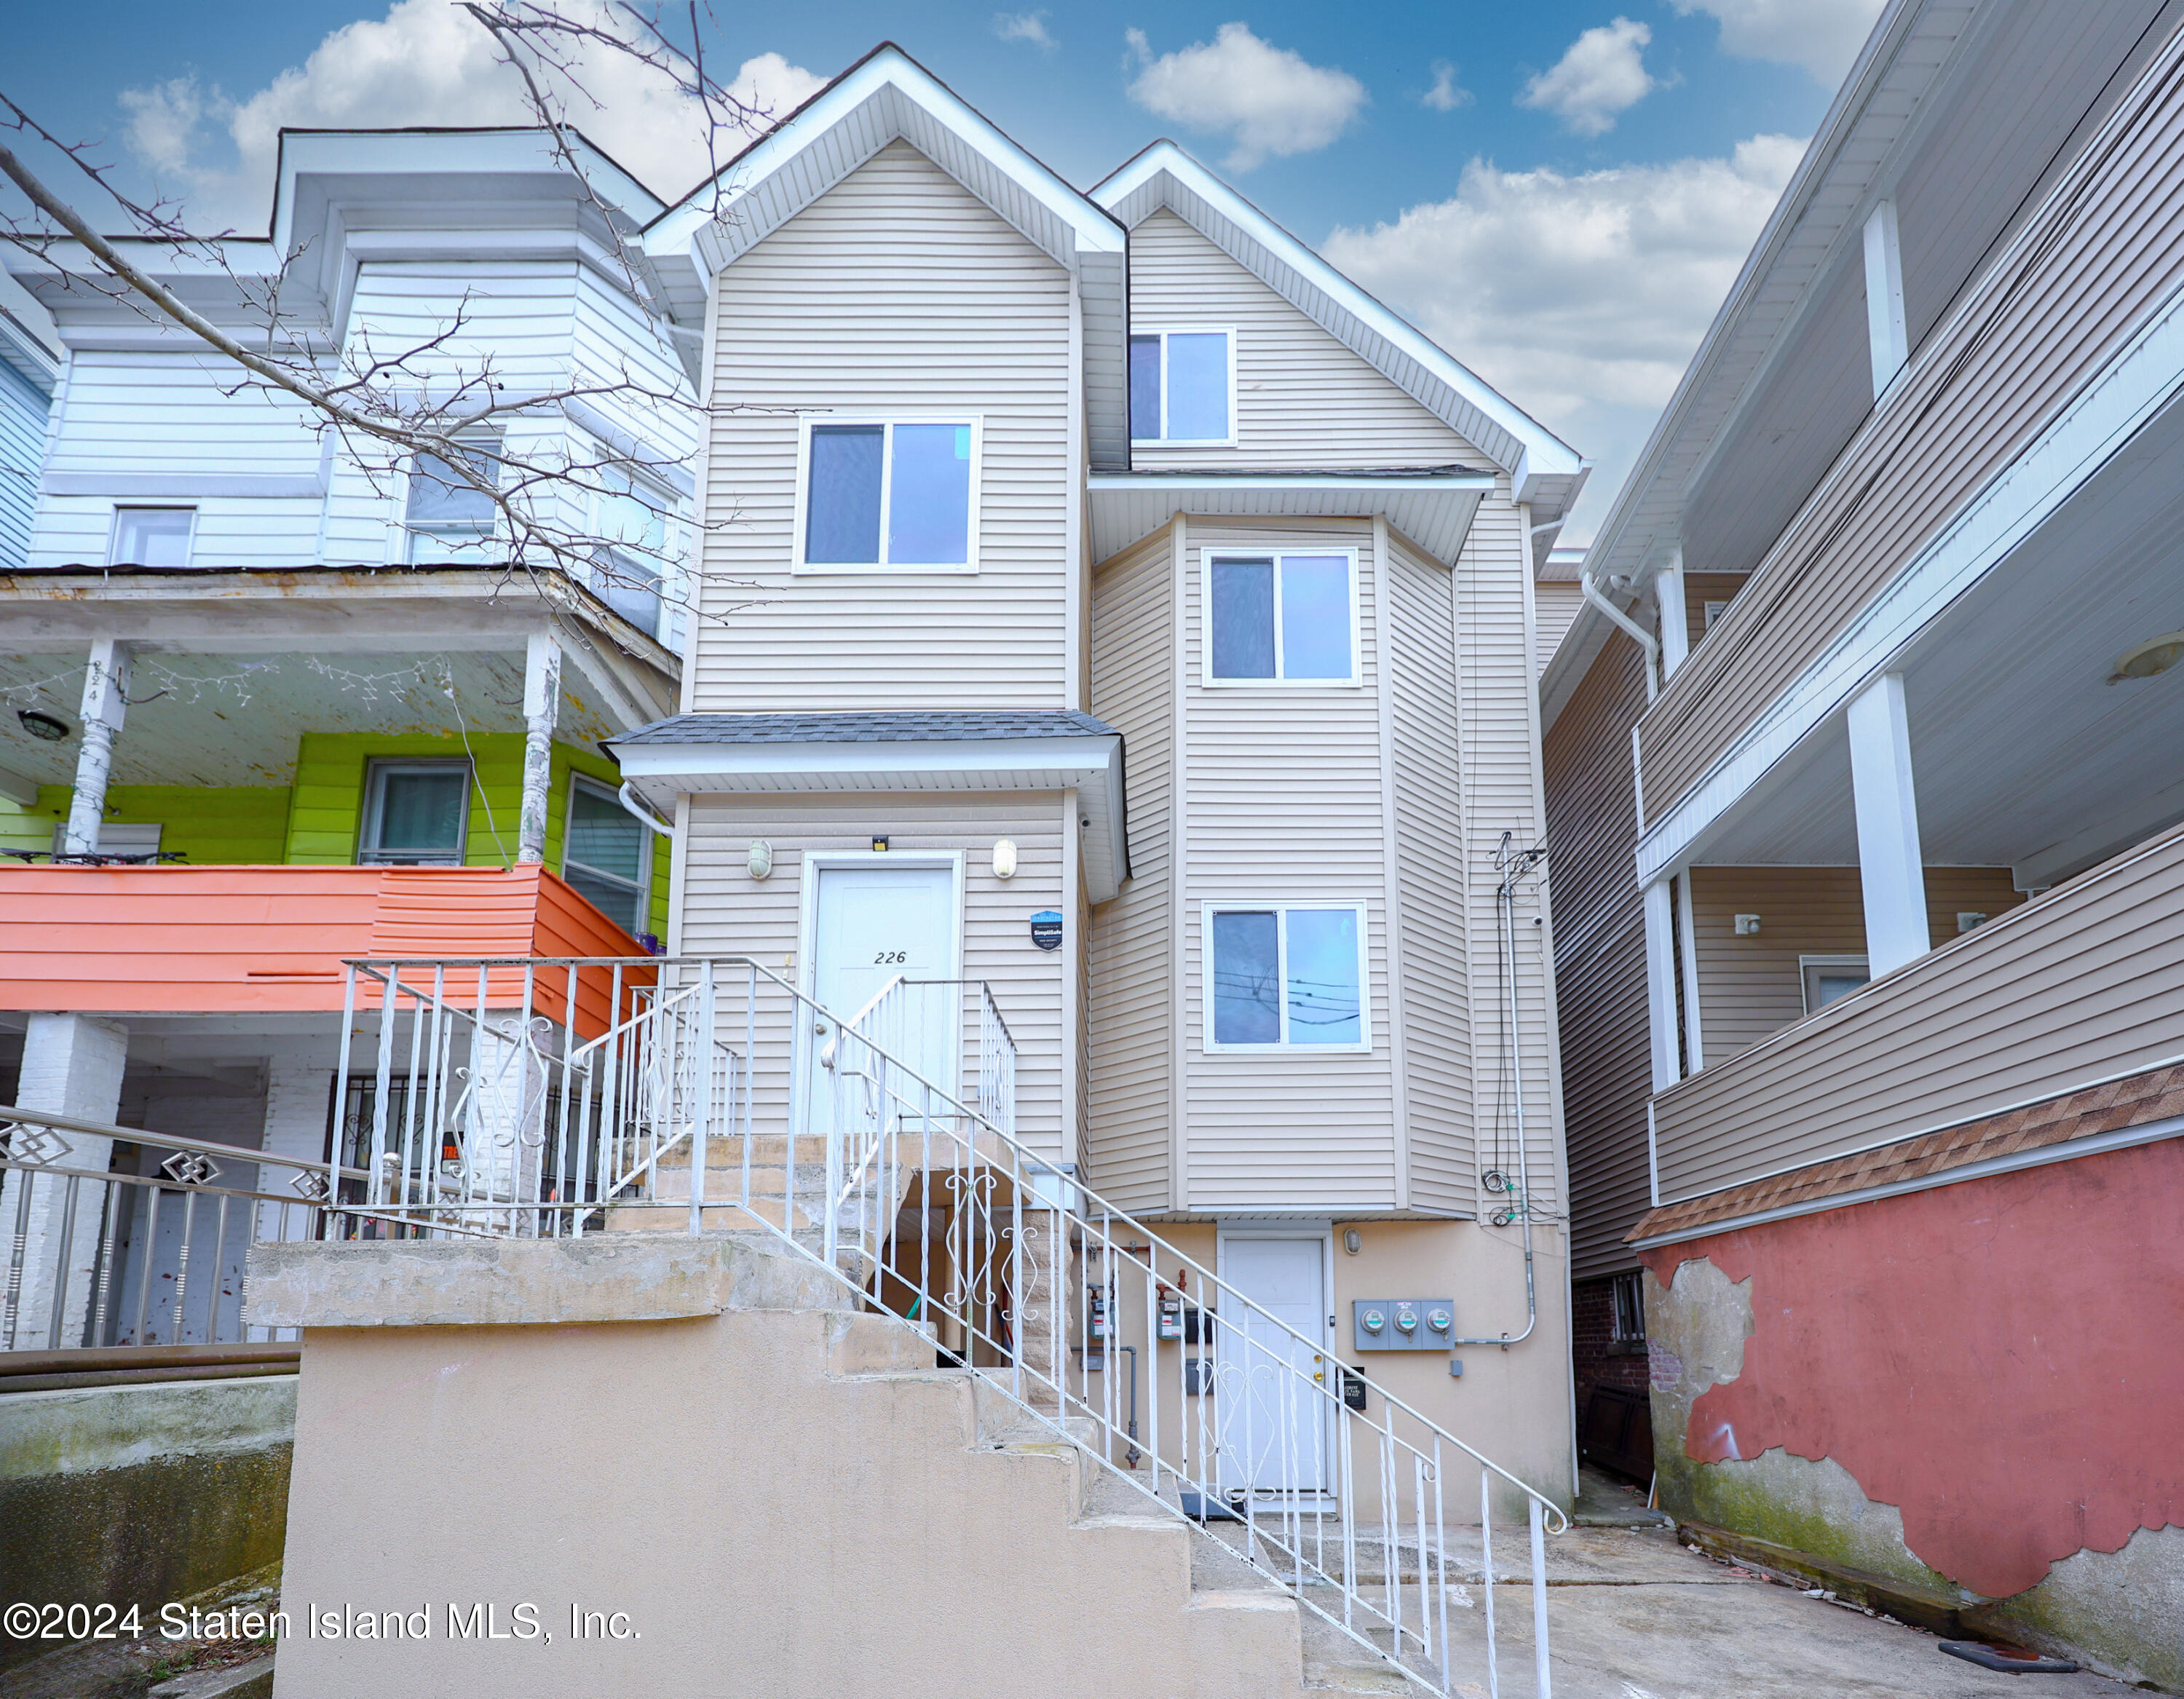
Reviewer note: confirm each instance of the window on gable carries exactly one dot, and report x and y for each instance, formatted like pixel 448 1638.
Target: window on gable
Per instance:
pixel 448 516
pixel 892 492
pixel 1280 619
pixel 151 537
pixel 415 813
pixel 1181 386
pixel 1286 976
pixel 606 854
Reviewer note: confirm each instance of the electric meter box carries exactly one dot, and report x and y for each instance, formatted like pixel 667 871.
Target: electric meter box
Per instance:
pixel 1402 1323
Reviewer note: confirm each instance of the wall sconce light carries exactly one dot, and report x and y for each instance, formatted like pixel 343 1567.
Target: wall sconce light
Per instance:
pixel 1747 926
pixel 1005 858
pixel 44 726
pixel 1352 1240
pixel 1969 919
pixel 760 860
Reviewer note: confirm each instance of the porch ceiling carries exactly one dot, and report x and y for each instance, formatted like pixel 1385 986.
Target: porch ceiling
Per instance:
pixel 200 718
pixel 2024 754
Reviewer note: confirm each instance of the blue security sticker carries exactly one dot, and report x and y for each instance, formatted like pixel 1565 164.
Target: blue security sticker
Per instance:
pixel 1046 929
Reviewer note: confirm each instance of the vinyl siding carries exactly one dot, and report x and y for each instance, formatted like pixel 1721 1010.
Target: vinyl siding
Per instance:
pixel 1600 958
pixel 897 290
pixel 727 912
pixel 1131 994
pixel 1302 398
pixel 1281 791
pixel 2084 983
pixel 2089 268
pixel 1556 603
pixel 1498 745
pixel 1429 805
pixel 23 410
pixel 208 824
pixel 1752 988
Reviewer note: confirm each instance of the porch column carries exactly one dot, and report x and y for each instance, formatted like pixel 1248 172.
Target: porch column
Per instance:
pixel 1687 945
pixel 71 1066
pixel 542 698
pixel 1892 874
pixel 105 700
pixel 1661 982
pixel 1676 623
pixel 297 1095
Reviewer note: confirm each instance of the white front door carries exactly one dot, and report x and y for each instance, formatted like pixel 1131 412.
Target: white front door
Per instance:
pixel 1269 1387
pixel 869 924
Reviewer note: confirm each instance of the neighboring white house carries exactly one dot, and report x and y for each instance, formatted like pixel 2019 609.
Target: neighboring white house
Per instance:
pixel 1118 606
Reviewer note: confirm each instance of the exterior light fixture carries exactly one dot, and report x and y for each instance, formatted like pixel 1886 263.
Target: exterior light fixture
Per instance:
pixel 1747 926
pixel 1005 858
pixel 760 860
pixel 2145 659
pixel 879 844
pixel 1352 1240
pixel 43 726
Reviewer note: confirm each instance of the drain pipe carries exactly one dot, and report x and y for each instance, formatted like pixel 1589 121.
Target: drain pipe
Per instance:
pixel 1639 634
pixel 629 801
pixel 1512 865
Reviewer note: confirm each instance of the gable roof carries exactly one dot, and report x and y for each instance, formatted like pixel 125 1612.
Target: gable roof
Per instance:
pixel 888 96
pixel 1545 471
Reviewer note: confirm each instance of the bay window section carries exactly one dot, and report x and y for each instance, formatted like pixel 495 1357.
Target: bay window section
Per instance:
pixel 1285 976
pixel 447 516
pixel 1285 619
pixel 631 521
pixel 1183 387
pixel 890 492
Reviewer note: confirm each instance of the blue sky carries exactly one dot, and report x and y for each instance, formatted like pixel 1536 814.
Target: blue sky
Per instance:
pixel 1560 193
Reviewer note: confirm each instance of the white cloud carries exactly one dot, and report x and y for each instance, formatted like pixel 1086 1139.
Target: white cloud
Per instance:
pixel 1581 297
pixel 1445 95
pixel 1025 26
pixel 1602 75
pixel 1266 100
pixel 1823 35
pixel 427 62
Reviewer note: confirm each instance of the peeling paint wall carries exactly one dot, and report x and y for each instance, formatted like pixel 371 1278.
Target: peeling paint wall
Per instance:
pixel 1976 1387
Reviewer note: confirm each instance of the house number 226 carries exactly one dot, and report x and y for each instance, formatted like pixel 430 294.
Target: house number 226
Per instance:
pixel 890 958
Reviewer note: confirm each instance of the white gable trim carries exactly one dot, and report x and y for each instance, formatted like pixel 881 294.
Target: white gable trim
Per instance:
pixel 890 97
pixel 1546 471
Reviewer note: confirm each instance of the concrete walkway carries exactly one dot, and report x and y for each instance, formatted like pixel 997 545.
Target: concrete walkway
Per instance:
pixel 1633 1615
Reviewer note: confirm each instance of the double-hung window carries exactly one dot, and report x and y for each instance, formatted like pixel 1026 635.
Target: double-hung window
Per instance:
pixel 1182 388
pixel 415 813
pixel 1281 619
pixel 884 493
pixel 607 852
pixel 448 516
pixel 1285 976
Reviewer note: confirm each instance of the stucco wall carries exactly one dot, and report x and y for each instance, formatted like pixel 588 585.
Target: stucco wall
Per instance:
pixel 1976 1386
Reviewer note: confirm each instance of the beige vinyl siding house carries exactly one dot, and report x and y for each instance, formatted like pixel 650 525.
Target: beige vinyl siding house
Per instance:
pixel 1331 815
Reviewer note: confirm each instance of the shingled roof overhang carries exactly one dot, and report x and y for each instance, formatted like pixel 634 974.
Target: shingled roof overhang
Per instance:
pixel 994 749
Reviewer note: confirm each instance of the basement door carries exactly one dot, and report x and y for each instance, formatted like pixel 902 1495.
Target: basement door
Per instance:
pixel 868 924
pixel 1273 1423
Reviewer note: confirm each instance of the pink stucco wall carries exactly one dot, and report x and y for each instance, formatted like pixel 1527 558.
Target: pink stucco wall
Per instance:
pixel 2002 1359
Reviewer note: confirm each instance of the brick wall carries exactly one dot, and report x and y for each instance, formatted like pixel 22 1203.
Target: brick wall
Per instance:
pixel 1594 1358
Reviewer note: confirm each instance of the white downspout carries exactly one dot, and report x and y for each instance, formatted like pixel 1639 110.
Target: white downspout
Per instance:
pixel 1639 634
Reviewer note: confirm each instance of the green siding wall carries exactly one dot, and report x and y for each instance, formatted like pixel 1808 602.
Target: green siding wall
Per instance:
pixel 317 820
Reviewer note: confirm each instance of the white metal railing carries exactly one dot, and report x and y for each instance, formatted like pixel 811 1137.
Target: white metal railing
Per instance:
pixel 117 1236
pixel 557 1096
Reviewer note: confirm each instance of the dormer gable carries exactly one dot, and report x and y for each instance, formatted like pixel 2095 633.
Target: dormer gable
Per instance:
pixel 1543 470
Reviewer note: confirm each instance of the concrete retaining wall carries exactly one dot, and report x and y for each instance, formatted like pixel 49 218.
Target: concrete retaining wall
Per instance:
pixel 140 1494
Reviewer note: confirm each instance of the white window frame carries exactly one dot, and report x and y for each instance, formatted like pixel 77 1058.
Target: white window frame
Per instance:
pixel 607 792
pixel 376 769
pixel 494 446
pixel 1281 908
pixel 1164 332
pixel 663 502
pixel 113 527
pixel 1806 980
pixel 804 429
pixel 1208 557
